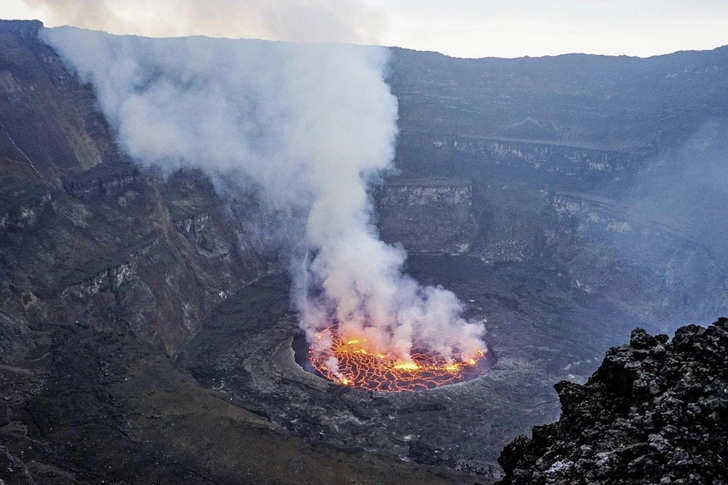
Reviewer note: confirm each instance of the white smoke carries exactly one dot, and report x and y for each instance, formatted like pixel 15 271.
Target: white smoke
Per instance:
pixel 311 125
pixel 294 20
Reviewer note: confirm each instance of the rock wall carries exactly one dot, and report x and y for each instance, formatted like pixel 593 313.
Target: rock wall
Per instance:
pixel 512 182
pixel 430 216
pixel 564 163
pixel 87 235
pixel 632 103
pixel 623 223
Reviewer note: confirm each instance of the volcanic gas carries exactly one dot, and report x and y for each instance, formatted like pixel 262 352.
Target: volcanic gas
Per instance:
pixel 352 361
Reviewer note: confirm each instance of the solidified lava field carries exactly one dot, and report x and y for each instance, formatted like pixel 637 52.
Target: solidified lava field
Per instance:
pixel 246 350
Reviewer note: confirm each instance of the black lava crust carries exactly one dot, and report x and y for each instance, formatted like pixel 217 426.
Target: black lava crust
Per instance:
pixel 654 412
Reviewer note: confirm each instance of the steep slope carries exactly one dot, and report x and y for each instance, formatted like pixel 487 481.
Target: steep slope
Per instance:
pixel 86 235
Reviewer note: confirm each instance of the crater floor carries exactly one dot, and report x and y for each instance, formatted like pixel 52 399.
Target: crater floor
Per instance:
pixel 540 328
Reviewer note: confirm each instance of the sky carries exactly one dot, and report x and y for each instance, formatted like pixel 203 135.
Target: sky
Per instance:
pixel 516 28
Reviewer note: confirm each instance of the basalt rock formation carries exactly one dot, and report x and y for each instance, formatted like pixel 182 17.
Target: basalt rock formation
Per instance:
pixel 654 412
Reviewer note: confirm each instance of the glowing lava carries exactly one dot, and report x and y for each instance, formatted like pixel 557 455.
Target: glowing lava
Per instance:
pixel 350 363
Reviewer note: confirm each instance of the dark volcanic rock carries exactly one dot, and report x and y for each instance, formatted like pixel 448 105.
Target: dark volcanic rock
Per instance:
pixel 87 235
pixel 427 215
pixel 654 412
pixel 116 282
pixel 15 340
pixel 548 98
pixel 106 268
pixel 102 181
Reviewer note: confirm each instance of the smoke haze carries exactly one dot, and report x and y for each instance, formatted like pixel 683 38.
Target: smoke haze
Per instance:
pixel 311 125
pixel 309 21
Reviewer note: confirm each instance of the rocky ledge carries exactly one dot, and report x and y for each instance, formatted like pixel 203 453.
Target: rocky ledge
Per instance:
pixel 654 412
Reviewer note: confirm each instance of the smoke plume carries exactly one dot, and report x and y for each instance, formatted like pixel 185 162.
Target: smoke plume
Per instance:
pixel 293 20
pixel 311 125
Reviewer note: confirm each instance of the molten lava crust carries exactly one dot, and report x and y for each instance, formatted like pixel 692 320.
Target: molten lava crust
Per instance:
pixel 366 369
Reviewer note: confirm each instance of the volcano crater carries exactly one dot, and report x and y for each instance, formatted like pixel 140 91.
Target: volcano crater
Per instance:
pixel 251 351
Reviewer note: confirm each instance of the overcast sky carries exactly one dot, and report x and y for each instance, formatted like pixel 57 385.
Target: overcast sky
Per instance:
pixel 479 28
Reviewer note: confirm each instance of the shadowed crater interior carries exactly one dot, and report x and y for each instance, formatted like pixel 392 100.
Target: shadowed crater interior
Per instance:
pixel 300 353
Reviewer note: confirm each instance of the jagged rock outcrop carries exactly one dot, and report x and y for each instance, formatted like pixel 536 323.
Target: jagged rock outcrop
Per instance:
pixel 654 412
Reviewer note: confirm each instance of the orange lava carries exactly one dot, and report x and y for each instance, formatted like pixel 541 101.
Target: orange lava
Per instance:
pixel 365 369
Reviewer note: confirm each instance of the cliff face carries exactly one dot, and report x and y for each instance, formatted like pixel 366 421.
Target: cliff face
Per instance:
pixel 433 215
pixel 631 103
pixel 87 236
pixel 639 149
pixel 43 136
pixel 641 226
pixel 513 185
pixel 654 412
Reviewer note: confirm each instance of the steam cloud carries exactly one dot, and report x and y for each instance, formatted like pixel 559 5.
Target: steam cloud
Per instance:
pixel 293 20
pixel 311 125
